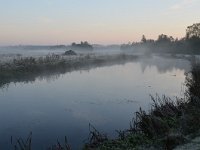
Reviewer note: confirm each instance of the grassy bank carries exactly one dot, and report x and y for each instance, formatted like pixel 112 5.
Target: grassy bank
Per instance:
pixel 169 122
pixel 26 69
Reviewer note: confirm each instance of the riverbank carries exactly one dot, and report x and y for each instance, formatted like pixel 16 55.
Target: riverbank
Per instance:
pixel 25 69
pixel 168 124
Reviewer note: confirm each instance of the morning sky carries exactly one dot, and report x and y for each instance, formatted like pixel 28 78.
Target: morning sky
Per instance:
pixel 45 22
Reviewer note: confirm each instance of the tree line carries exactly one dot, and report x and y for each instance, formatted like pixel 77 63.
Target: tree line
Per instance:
pixel 81 46
pixel 190 44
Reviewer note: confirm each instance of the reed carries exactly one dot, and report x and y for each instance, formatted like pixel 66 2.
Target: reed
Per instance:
pixel 21 144
pixel 26 144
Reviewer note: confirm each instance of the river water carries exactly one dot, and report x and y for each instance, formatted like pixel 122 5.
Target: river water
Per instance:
pixel 107 97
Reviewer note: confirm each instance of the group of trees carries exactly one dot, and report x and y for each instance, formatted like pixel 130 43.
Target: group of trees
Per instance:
pixel 188 44
pixel 82 46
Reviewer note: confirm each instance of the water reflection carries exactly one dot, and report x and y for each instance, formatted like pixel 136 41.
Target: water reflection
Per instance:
pixel 53 105
pixel 162 63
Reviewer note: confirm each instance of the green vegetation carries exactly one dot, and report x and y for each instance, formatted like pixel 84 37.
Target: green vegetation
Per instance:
pixel 190 44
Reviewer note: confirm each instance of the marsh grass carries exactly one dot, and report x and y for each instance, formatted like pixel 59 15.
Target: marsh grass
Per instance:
pixel 60 146
pixel 21 144
pixel 95 137
pixel 26 144
pixel 159 128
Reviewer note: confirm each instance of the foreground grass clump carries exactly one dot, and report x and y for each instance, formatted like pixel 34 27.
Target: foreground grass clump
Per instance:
pixel 159 129
pixel 169 122
pixel 21 144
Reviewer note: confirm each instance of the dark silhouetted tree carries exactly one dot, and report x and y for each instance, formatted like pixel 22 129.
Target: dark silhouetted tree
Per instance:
pixel 82 46
pixel 164 38
pixel 143 40
pixel 193 31
pixel 167 44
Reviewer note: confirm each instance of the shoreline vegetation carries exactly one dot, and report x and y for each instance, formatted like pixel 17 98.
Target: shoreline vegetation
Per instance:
pixel 28 69
pixel 25 69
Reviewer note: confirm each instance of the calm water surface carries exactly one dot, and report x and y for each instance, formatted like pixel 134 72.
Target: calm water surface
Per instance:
pixel 106 97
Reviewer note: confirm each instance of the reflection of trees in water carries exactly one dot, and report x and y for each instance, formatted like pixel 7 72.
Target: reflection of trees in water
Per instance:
pixel 164 64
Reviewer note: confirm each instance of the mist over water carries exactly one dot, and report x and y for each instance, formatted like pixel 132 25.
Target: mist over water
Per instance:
pixel 57 105
pixel 99 74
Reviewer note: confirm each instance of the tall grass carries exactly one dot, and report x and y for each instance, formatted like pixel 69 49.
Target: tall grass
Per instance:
pixel 21 144
pixel 26 144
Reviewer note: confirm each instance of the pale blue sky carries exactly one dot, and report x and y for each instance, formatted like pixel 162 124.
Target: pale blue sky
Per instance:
pixel 97 21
